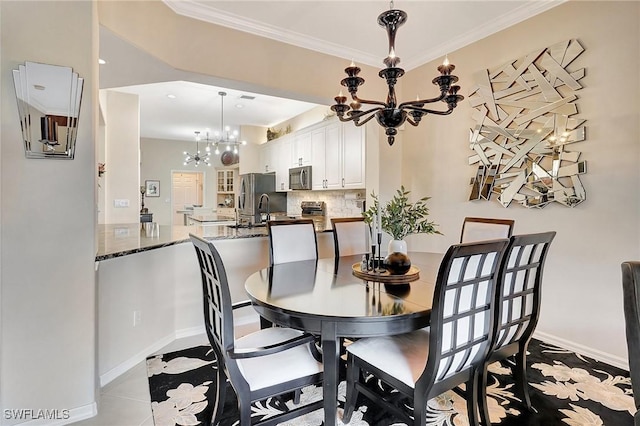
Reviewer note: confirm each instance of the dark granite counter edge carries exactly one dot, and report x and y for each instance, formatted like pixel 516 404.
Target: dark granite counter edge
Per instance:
pixel 179 240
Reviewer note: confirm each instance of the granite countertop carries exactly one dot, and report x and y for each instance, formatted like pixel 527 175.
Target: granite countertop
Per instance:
pixel 211 218
pixel 123 239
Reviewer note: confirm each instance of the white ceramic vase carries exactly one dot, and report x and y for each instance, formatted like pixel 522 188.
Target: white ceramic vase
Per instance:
pixel 397 246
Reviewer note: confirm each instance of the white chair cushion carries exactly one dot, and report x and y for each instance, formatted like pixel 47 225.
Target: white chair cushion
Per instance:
pixel 293 242
pixel 402 356
pixel 264 371
pixel 352 237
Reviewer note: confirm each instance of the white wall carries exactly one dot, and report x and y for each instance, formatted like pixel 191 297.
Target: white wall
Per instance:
pixel 122 146
pixel 47 228
pixel 165 286
pixel 161 157
pixel 582 295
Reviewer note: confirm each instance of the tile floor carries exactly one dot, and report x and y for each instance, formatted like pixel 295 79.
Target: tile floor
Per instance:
pixel 126 402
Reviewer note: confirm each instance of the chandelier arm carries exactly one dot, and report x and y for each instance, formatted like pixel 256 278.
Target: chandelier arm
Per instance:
pixel 413 123
pixel 423 101
pixel 366 101
pixel 360 123
pixel 431 111
pixel 355 116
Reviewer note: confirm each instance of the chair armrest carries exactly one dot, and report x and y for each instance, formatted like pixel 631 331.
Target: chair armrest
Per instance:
pixel 271 349
pixel 242 304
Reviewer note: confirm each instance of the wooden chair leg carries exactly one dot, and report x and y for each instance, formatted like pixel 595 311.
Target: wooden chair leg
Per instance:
pixel 244 408
pixel 483 407
pixel 221 393
pixel 472 398
pixel 419 409
pixel 520 377
pixel 353 376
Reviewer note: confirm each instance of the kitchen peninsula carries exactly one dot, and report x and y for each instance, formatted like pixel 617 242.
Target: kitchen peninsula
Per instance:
pixel 149 285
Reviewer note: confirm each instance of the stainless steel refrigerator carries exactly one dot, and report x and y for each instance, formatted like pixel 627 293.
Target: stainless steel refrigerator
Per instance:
pixel 258 198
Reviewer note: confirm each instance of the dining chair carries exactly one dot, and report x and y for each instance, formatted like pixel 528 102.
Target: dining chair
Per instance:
pixel 292 240
pixel 427 362
pixel 631 295
pixel 263 364
pixel 484 228
pixel 517 310
pixel 349 236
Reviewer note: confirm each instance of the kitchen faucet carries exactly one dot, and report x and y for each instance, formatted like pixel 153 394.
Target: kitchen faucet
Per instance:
pixel 260 203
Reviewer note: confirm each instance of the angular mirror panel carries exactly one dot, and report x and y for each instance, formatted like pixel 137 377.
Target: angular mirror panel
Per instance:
pixel 49 106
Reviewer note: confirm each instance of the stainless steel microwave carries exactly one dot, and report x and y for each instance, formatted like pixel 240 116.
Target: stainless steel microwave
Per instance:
pixel 300 177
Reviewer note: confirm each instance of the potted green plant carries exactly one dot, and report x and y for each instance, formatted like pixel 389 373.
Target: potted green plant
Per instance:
pixel 399 218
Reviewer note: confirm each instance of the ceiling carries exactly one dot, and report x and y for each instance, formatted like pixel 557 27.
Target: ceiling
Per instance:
pixel 345 29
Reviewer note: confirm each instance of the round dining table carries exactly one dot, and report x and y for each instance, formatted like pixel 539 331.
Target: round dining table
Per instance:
pixel 323 297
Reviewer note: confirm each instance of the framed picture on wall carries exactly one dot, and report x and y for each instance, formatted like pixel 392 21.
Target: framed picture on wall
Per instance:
pixel 153 188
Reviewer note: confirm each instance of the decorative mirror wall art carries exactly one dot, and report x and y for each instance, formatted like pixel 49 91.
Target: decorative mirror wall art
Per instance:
pixel 49 107
pixel 526 130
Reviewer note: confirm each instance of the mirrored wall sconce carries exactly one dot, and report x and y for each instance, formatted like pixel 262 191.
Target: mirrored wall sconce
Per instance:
pixel 49 107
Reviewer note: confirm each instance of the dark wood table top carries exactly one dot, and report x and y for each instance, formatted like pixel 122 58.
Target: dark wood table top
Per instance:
pixel 329 290
pixel 325 298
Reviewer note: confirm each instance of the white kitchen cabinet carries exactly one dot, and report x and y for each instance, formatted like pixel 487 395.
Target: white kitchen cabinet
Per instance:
pixel 275 158
pixel 226 179
pixel 282 155
pixel 338 156
pixel 301 149
pixel 266 163
pixel 353 155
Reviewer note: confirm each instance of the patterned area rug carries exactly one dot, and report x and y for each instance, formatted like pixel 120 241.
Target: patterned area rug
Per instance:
pixel 566 389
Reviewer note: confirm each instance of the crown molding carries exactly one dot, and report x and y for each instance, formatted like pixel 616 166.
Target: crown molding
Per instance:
pixel 208 13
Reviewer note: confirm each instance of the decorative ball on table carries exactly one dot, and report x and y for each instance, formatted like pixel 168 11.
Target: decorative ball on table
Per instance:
pixel 397 263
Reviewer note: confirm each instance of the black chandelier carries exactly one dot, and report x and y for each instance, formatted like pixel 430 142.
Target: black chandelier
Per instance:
pixel 389 114
pixel 197 158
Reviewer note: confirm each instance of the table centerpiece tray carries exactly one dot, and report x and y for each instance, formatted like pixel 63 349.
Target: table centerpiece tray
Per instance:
pixel 385 277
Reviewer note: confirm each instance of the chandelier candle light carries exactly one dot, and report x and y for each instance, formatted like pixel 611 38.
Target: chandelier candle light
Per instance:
pixel 389 114
pixel 196 158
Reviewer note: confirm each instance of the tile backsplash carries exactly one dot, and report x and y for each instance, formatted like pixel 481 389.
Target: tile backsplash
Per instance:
pixel 344 203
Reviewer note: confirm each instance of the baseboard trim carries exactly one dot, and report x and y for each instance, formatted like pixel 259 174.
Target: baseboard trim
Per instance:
pixel 72 416
pixel 605 357
pixel 125 366
pixel 188 332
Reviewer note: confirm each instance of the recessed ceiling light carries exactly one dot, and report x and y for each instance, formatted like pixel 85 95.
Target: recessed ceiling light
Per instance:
pixel 239 106
pixel 170 96
pixel 102 61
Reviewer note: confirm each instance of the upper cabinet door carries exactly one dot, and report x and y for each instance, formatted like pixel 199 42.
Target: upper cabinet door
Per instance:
pixel 281 156
pixel 333 156
pixel 266 158
pixel 353 171
pixel 302 149
pixel 318 163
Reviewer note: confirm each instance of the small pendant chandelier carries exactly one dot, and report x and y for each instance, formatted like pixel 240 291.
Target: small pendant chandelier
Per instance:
pixel 225 138
pixel 390 114
pixel 197 158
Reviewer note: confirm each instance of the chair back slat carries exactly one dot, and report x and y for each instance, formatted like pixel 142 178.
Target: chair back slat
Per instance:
pixel 519 300
pixel 349 235
pixel 218 317
pixel 292 240
pixel 463 308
